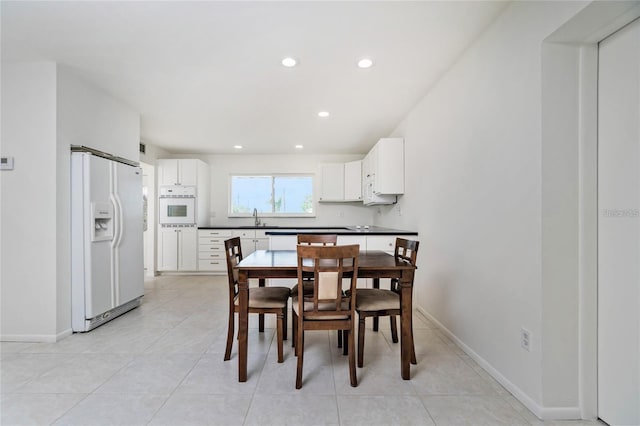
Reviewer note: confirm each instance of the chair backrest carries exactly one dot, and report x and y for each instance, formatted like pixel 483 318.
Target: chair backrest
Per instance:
pixel 318 239
pixel 329 265
pixel 406 251
pixel 233 251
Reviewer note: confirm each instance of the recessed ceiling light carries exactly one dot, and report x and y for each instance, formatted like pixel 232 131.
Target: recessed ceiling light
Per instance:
pixel 289 62
pixel 299 146
pixel 237 146
pixel 323 114
pixel 365 63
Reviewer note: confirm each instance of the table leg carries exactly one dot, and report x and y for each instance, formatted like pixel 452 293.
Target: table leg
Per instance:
pixel 376 284
pixel 261 316
pixel 243 324
pixel 406 338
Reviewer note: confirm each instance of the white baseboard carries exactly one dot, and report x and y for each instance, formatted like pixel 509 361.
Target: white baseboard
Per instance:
pixel 544 413
pixel 66 333
pixel 36 338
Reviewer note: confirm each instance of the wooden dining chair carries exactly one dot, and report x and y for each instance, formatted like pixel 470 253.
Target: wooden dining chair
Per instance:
pixel 313 240
pixel 377 302
pixel 307 283
pixel 327 307
pixel 262 300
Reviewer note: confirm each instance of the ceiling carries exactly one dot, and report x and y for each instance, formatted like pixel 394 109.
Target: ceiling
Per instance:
pixel 207 75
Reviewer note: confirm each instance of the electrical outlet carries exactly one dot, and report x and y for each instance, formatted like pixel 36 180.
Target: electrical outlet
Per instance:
pixel 525 339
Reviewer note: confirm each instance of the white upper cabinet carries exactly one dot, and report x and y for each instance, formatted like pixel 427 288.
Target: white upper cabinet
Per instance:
pixel 179 172
pixel 332 182
pixel 353 181
pixel 341 182
pixel 383 172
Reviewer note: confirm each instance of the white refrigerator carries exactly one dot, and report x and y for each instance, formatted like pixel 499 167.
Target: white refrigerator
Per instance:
pixel 107 271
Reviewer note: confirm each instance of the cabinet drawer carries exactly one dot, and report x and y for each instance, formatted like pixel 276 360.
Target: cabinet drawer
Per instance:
pixel 211 255
pixel 211 247
pixel 244 233
pixel 205 233
pixel 212 265
pixel 211 241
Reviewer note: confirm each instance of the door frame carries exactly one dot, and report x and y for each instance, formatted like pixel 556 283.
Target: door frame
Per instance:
pixel 570 72
pixel 150 239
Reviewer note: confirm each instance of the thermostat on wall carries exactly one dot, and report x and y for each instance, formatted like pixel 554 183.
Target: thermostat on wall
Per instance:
pixel 6 163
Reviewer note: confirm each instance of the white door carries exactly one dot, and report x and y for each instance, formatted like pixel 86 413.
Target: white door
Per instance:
pixel 619 228
pixel 128 249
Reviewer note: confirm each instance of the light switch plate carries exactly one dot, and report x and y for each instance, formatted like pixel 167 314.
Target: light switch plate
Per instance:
pixel 6 163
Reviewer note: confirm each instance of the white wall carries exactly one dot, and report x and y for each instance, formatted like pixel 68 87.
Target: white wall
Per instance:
pixel 28 219
pixel 45 109
pixel 327 214
pixel 91 117
pixel 474 188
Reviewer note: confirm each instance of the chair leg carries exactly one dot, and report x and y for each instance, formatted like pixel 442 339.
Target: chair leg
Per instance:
pixel 285 314
pixel 261 323
pixel 414 360
pixel 280 332
pixel 352 356
pixel 345 348
pixel 375 323
pixel 294 329
pixel 394 328
pixel 361 327
pixel 300 352
pixel 339 338
pixel 230 332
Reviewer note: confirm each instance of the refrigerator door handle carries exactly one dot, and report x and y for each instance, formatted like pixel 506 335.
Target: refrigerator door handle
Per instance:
pixel 115 242
pixel 117 235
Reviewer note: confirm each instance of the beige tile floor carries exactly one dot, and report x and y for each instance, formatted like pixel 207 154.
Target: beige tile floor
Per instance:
pixel 162 364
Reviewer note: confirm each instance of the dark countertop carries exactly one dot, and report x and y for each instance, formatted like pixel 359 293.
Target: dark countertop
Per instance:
pixel 340 230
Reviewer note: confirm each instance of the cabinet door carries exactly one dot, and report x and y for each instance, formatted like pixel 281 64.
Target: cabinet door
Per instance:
pixel 248 246
pixel 353 181
pixel 381 242
pixel 262 243
pixel 389 166
pixel 283 242
pixel 168 249
pixel 168 172
pixel 367 188
pixel 332 182
pixel 188 250
pixel 188 172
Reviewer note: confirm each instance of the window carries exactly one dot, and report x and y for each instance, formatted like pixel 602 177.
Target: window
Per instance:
pixel 271 195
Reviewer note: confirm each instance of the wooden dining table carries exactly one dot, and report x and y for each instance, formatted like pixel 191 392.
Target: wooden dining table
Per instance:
pixel 266 264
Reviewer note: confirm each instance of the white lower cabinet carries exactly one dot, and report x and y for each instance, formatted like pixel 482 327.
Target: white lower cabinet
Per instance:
pixel 251 240
pixel 177 249
pixel 211 255
pixel 382 242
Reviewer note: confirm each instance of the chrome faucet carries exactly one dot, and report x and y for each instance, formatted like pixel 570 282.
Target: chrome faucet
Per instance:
pixel 257 219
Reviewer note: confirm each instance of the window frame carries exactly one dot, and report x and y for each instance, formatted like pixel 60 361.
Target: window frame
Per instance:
pixel 231 214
